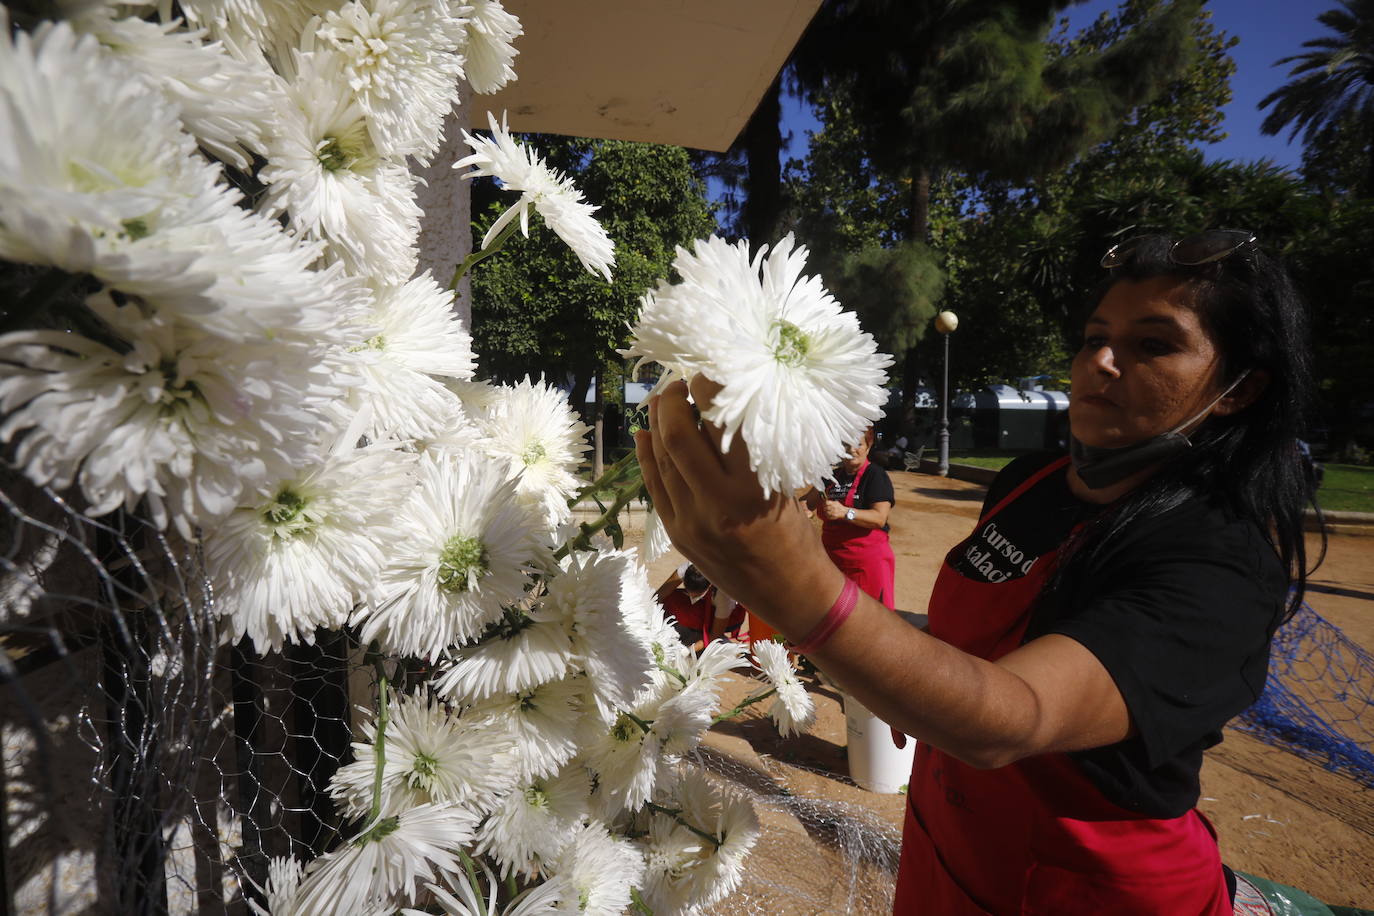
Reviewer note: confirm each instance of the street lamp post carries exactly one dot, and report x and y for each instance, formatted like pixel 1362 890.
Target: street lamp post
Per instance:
pixel 945 323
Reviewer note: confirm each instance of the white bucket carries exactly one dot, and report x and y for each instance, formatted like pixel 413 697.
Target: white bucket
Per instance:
pixel 875 762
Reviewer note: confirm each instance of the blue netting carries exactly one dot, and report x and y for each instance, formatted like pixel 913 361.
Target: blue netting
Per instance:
pixel 1319 699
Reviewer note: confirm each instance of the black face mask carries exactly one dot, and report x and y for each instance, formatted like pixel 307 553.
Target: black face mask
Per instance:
pixel 1102 467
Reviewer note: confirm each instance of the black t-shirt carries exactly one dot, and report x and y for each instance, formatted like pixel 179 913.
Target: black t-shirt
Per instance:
pixel 1179 610
pixel 875 487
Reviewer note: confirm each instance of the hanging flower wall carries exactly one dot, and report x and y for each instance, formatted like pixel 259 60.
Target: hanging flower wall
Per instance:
pixel 218 325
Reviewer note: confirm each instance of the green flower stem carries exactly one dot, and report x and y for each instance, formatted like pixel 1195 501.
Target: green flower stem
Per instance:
pixel 477 257
pixel 379 745
pixel 511 887
pixel 608 475
pixel 638 902
pixel 643 726
pixel 677 675
pixel 584 540
pixel 744 704
pixel 471 868
pixel 676 815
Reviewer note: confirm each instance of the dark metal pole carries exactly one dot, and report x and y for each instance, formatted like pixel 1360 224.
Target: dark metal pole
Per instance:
pixel 943 470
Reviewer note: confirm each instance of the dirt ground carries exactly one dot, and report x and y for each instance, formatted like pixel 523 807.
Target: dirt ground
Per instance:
pixel 1276 814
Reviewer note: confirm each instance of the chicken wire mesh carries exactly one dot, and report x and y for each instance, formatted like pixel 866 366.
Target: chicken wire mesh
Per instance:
pixel 149 769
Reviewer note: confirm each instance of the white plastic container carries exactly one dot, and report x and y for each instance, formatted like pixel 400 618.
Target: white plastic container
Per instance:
pixel 875 762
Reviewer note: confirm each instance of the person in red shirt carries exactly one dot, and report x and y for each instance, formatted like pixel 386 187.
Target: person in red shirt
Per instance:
pixel 854 511
pixel 702 611
pixel 1110 612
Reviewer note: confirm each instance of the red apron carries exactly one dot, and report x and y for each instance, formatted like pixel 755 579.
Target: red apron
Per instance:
pixel 701 614
pixel 1036 837
pixel 862 554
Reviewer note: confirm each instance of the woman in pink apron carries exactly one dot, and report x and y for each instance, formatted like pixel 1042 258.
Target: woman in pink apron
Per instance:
pixel 1109 613
pixel 854 513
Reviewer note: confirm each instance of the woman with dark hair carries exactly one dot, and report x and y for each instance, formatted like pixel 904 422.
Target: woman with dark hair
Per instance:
pixel 1110 612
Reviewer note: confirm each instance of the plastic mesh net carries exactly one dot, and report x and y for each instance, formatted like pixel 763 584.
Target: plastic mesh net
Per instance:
pixel 1319 699
pixel 148 769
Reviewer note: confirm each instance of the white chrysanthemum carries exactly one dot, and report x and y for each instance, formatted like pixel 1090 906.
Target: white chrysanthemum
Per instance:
pixel 531 826
pixel 552 898
pixel 432 755
pixel 184 421
pixel 91 158
pixel 380 871
pixel 793 711
pixel 533 429
pixel 525 648
pixel 800 379
pixel 656 539
pixel 629 757
pixel 400 59
pixel 227 103
pixel 302 555
pixel 684 870
pixel 601 869
pixel 284 875
pixel 542 720
pixel 272 26
pixel 609 643
pixel 468 554
pixel 324 171
pixel 683 718
pixel 418 336
pixel 488 45
pixel 555 196
pixel 478 397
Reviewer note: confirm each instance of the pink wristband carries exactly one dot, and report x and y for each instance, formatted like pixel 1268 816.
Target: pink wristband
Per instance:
pixel 839 612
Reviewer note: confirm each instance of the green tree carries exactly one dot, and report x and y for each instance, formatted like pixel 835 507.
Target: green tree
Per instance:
pixel 536 310
pixel 1332 85
pixel 975 86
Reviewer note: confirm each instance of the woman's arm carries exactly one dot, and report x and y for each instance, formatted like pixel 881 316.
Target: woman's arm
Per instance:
pixel 873 517
pixel 1050 695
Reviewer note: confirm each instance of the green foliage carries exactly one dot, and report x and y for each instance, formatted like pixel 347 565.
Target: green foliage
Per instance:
pixel 535 308
pixel 1347 488
pixel 894 291
pixel 1333 80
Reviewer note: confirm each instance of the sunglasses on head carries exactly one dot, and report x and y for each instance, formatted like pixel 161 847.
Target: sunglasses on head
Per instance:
pixel 1192 251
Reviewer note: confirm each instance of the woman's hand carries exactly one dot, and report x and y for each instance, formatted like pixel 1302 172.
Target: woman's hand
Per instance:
pixel 762 552
pixel 833 510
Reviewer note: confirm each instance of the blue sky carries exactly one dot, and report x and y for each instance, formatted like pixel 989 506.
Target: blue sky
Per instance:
pixel 1267 29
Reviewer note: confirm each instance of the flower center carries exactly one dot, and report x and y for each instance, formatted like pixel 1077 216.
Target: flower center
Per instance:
pixel 286 513
pixel 422 770
pixel 332 155
pixel 624 729
pixel 793 344
pixel 535 798
pixel 461 563
pixel 175 389
pixel 534 453
pixel 136 228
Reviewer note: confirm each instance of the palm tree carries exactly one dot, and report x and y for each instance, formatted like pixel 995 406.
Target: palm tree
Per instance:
pixel 1332 84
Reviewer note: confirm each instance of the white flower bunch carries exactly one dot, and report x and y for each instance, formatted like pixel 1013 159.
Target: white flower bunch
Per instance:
pixel 554 196
pixel 800 380
pixel 695 841
pixel 793 711
pixel 225 332
pixel 303 555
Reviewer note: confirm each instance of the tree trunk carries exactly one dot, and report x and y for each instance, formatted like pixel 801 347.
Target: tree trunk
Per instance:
pixel 598 427
pixel 763 146
pixel 920 204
